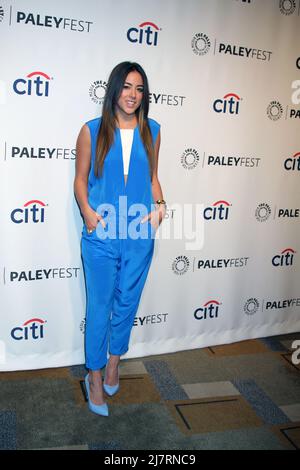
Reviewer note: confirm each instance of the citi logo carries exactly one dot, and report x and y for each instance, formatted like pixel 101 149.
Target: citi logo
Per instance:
pixel 31 329
pixel 218 211
pixel 35 83
pixel 229 104
pixel 285 258
pixel 292 163
pixel 146 33
pixel 209 310
pixel 32 211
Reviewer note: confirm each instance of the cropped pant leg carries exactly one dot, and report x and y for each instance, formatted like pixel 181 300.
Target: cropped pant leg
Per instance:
pixel 136 259
pixel 100 269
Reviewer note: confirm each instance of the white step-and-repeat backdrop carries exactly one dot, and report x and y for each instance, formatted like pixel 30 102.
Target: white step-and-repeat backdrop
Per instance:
pixel 225 85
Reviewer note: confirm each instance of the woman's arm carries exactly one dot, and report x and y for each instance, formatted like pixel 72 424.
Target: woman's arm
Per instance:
pixel 157 215
pixel 156 188
pixel 82 168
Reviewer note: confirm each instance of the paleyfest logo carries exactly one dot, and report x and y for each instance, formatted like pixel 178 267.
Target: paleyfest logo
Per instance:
pixel 201 45
pixel 55 22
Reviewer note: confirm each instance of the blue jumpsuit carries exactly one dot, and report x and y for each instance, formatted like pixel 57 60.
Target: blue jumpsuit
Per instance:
pixel 116 266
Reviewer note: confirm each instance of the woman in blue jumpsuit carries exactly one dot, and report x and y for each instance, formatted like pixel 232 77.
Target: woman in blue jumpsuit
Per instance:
pixel 121 214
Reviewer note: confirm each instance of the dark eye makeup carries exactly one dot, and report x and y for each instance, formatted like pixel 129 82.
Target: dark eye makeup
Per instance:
pixel 128 85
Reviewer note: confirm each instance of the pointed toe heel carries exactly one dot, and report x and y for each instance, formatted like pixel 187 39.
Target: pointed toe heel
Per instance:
pixel 111 389
pixel 101 410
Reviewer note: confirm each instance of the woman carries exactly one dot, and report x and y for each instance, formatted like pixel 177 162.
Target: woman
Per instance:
pixel 121 201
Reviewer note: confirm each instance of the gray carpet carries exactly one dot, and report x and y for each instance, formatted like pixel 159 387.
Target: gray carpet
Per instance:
pixel 240 396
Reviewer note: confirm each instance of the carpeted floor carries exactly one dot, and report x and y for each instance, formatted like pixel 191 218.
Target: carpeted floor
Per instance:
pixel 239 396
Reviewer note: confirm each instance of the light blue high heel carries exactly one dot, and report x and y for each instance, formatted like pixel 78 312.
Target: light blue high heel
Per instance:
pixel 111 389
pixel 98 409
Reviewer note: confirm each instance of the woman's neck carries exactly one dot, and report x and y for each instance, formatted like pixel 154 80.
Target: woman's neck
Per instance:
pixel 126 122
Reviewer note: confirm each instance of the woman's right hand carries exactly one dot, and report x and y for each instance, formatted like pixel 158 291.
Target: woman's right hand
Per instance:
pixel 91 219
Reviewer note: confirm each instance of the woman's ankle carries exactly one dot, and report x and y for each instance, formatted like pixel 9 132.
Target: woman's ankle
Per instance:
pixel 113 361
pixel 95 375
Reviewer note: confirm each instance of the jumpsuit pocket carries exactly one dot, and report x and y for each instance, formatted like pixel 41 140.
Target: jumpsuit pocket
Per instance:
pixel 87 233
pixel 151 229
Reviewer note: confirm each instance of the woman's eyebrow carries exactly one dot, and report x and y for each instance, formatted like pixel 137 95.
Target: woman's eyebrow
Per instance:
pixel 128 83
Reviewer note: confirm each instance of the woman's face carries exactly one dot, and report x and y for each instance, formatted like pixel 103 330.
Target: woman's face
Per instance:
pixel 131 95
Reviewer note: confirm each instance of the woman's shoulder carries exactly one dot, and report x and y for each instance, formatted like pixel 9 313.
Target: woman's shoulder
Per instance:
pixel 93 124
pixel 153 124
pixel 154 128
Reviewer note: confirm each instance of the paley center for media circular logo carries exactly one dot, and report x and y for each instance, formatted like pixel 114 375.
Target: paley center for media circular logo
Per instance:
pixel 274 110
pixel 251 306
pixel 83 325
pixel 287 7
pixel 97 91
pixel 190 159
pixel 180 265
pixel 1 13
pixel 263 212
pixel 201 44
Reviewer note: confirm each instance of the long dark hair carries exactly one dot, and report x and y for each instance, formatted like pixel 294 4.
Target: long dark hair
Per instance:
pixel 114 88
